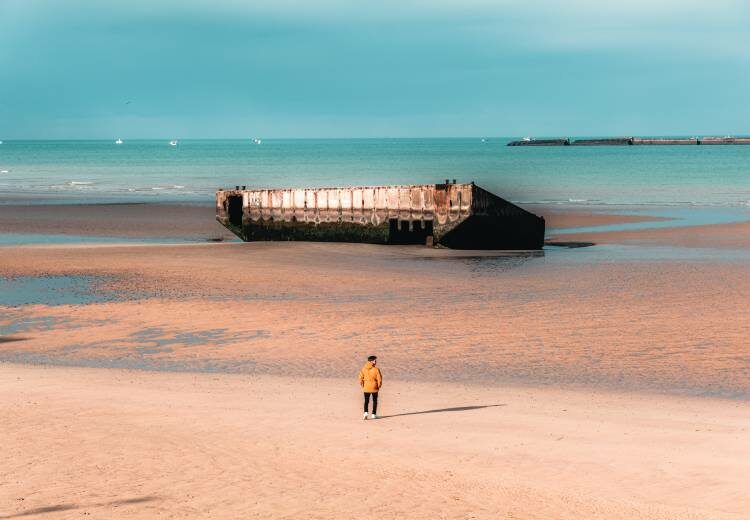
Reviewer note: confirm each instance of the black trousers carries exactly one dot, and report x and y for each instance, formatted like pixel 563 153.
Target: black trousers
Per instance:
pixel 374 402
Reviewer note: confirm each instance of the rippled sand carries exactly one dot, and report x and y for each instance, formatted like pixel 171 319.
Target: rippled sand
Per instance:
pixel 316 309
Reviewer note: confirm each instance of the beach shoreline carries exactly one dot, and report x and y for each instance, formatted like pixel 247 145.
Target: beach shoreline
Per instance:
pixel 601 382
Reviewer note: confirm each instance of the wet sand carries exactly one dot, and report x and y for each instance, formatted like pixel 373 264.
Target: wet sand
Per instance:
pixel 125 444
pixel 315 309
pixel 624 380
pixel 563 218
pixel 719 236
pixel 188 221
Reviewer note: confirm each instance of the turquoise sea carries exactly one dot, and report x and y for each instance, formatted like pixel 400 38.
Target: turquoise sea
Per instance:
pixel 152 170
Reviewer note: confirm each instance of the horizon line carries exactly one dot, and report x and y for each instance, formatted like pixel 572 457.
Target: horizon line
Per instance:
pixel 335 138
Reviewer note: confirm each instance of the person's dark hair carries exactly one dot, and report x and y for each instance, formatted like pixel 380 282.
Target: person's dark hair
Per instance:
pixel 372 358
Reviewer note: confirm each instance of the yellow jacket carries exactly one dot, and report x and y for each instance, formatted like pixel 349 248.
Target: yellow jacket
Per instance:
pixel 370 378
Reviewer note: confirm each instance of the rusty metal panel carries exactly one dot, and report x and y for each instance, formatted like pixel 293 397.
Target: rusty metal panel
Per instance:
pixel 357 200
pixel 404 199
pixel 417 201
pixel 265 199
pixel 220 199
pixel 441 200
pixel 333 199
pixel 346 205
pixel 391 207
pixel 253 199
pixel 321 200
pixel 381 199
pixel 308 212
pixel 453 203
pixel 277 202
pixel 310 199
pixel 466 196
pixel 368 199
pixel 429 202
pixel 286 200
pixel 258 212
pixel 345 196
pixel 298 198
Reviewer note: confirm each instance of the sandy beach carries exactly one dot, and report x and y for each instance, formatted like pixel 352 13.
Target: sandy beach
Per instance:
pixel 735 235
pixel 539 226
pixel 575 383
pixel 135 444
pixel 186 221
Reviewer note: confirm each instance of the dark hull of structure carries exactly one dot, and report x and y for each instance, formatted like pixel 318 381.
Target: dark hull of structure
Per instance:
pixel 476 232
pixel 493 232
pixel 311 232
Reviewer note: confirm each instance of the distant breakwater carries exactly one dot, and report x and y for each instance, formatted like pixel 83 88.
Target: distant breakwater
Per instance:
pixel 631 141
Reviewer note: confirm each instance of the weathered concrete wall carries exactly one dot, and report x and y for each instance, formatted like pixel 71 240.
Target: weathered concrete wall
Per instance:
pixel 444 204
pixel 609 141
pixel 633 141
pixel 662 141
pixel 541 142
pixel 724 140
pixel 374 214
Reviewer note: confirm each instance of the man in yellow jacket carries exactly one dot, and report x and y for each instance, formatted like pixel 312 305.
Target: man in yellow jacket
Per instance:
pixel 370 379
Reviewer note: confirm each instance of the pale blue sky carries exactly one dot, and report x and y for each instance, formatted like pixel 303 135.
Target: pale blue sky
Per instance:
pixel 224 68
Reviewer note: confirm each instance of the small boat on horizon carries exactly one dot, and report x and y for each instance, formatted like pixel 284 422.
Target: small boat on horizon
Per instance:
pixel 256 140
pixel 173 142
pixel 119 141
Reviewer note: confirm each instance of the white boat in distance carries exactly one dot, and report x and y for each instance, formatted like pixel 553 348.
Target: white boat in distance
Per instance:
pixel 256 140
pixel 173 142
pixel 119 141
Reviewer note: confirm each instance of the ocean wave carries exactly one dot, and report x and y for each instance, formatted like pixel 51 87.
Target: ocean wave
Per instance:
pixel 172 187
pixel 80 183
pixel 148 189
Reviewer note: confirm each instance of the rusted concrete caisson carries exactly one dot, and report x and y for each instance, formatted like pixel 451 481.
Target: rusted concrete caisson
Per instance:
pixel 461 216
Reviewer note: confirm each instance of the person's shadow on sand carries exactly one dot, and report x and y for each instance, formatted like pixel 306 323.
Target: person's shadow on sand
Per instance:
pixel 69 507
pixel 440 410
